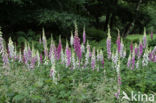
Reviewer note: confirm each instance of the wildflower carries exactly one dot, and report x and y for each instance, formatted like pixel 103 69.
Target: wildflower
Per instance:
pixel 118 42
pixel 136 50
pixel 87 55
pixel 68 55
pixel 82 48
pixel 129 61
pixel 20 56
pixel 73 60
pixel 53 74
pixel 44 44
pixel 38 58
pixel 93 59
pixel 11 49
pixel 77 45
pixel 62 57
pixel 137 64
pixel 1 42
pixel 84 36
pixel 41 58
pixel 59 49
pixel 140 50
pixel 117 94
pixel 109 44
pixel 145 58
pixel 144 39
pixel 71 39
pixel 5 59
pixel 131 47
pixel 33 59
pixel 133 60
pixel 122 49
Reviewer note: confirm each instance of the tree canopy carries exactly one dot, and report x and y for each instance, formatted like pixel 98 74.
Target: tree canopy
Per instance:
pixel 130 16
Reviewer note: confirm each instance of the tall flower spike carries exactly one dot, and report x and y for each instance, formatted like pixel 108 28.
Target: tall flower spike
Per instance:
pixel 87 55
pixel 71 39
pixel 1 42
pixel 73 60
pixel 11 49
pixel 109 44
pixel 44 44
pixel 118 42
pixel 93 59
pixel 144 39
pixel 84 36
pixel 53 74
pixel 62 57
pixel 131 47
pixel 140 49
pixel 68 55
pixel 133 60
pixel 33 58
pixel 122 48
pixel 38 58
pixel 136 49
pixel 59 49
pixel 77 45
pixel 20 56
pixel 129 61
pixel 145 58
pixel 5 59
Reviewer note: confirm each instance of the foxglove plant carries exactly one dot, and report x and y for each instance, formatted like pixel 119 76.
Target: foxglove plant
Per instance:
pixel 77 45
pixel 140 50
pixel 1 43
pixel 87 55
pixel 84 36
pixel 93 59
pixel 71 39
pixel 119 80
pixel 41 59
pixel 25 54
pixel 129 61
pixel 115 59
pixel 33 58
pixel 11 49
pixel 118 43
pixel 109 44
pixel 145 58
pixel 62 57
pixel 73 61
pixel 68 55
pixel 59 49
pixel 144 39
pixel 122 52
pixel 82 48
pixel 38 58
pixel 137 64
pixel 133 60
pixel 20 56
pixel 131 47
pixel 53 74
pixel 5 59
pixel 136 50
pixel 44 40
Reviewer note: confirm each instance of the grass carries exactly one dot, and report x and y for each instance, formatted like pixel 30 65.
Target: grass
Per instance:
pixel 134 37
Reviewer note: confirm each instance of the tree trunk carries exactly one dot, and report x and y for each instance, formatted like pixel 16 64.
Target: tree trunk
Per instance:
pixel 113 14
pixel 107 20
pixel 132 23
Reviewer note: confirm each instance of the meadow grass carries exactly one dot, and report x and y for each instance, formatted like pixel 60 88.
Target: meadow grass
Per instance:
pixel 139 36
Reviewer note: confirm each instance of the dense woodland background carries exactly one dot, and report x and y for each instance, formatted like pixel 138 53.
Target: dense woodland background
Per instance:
pixel 27 17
